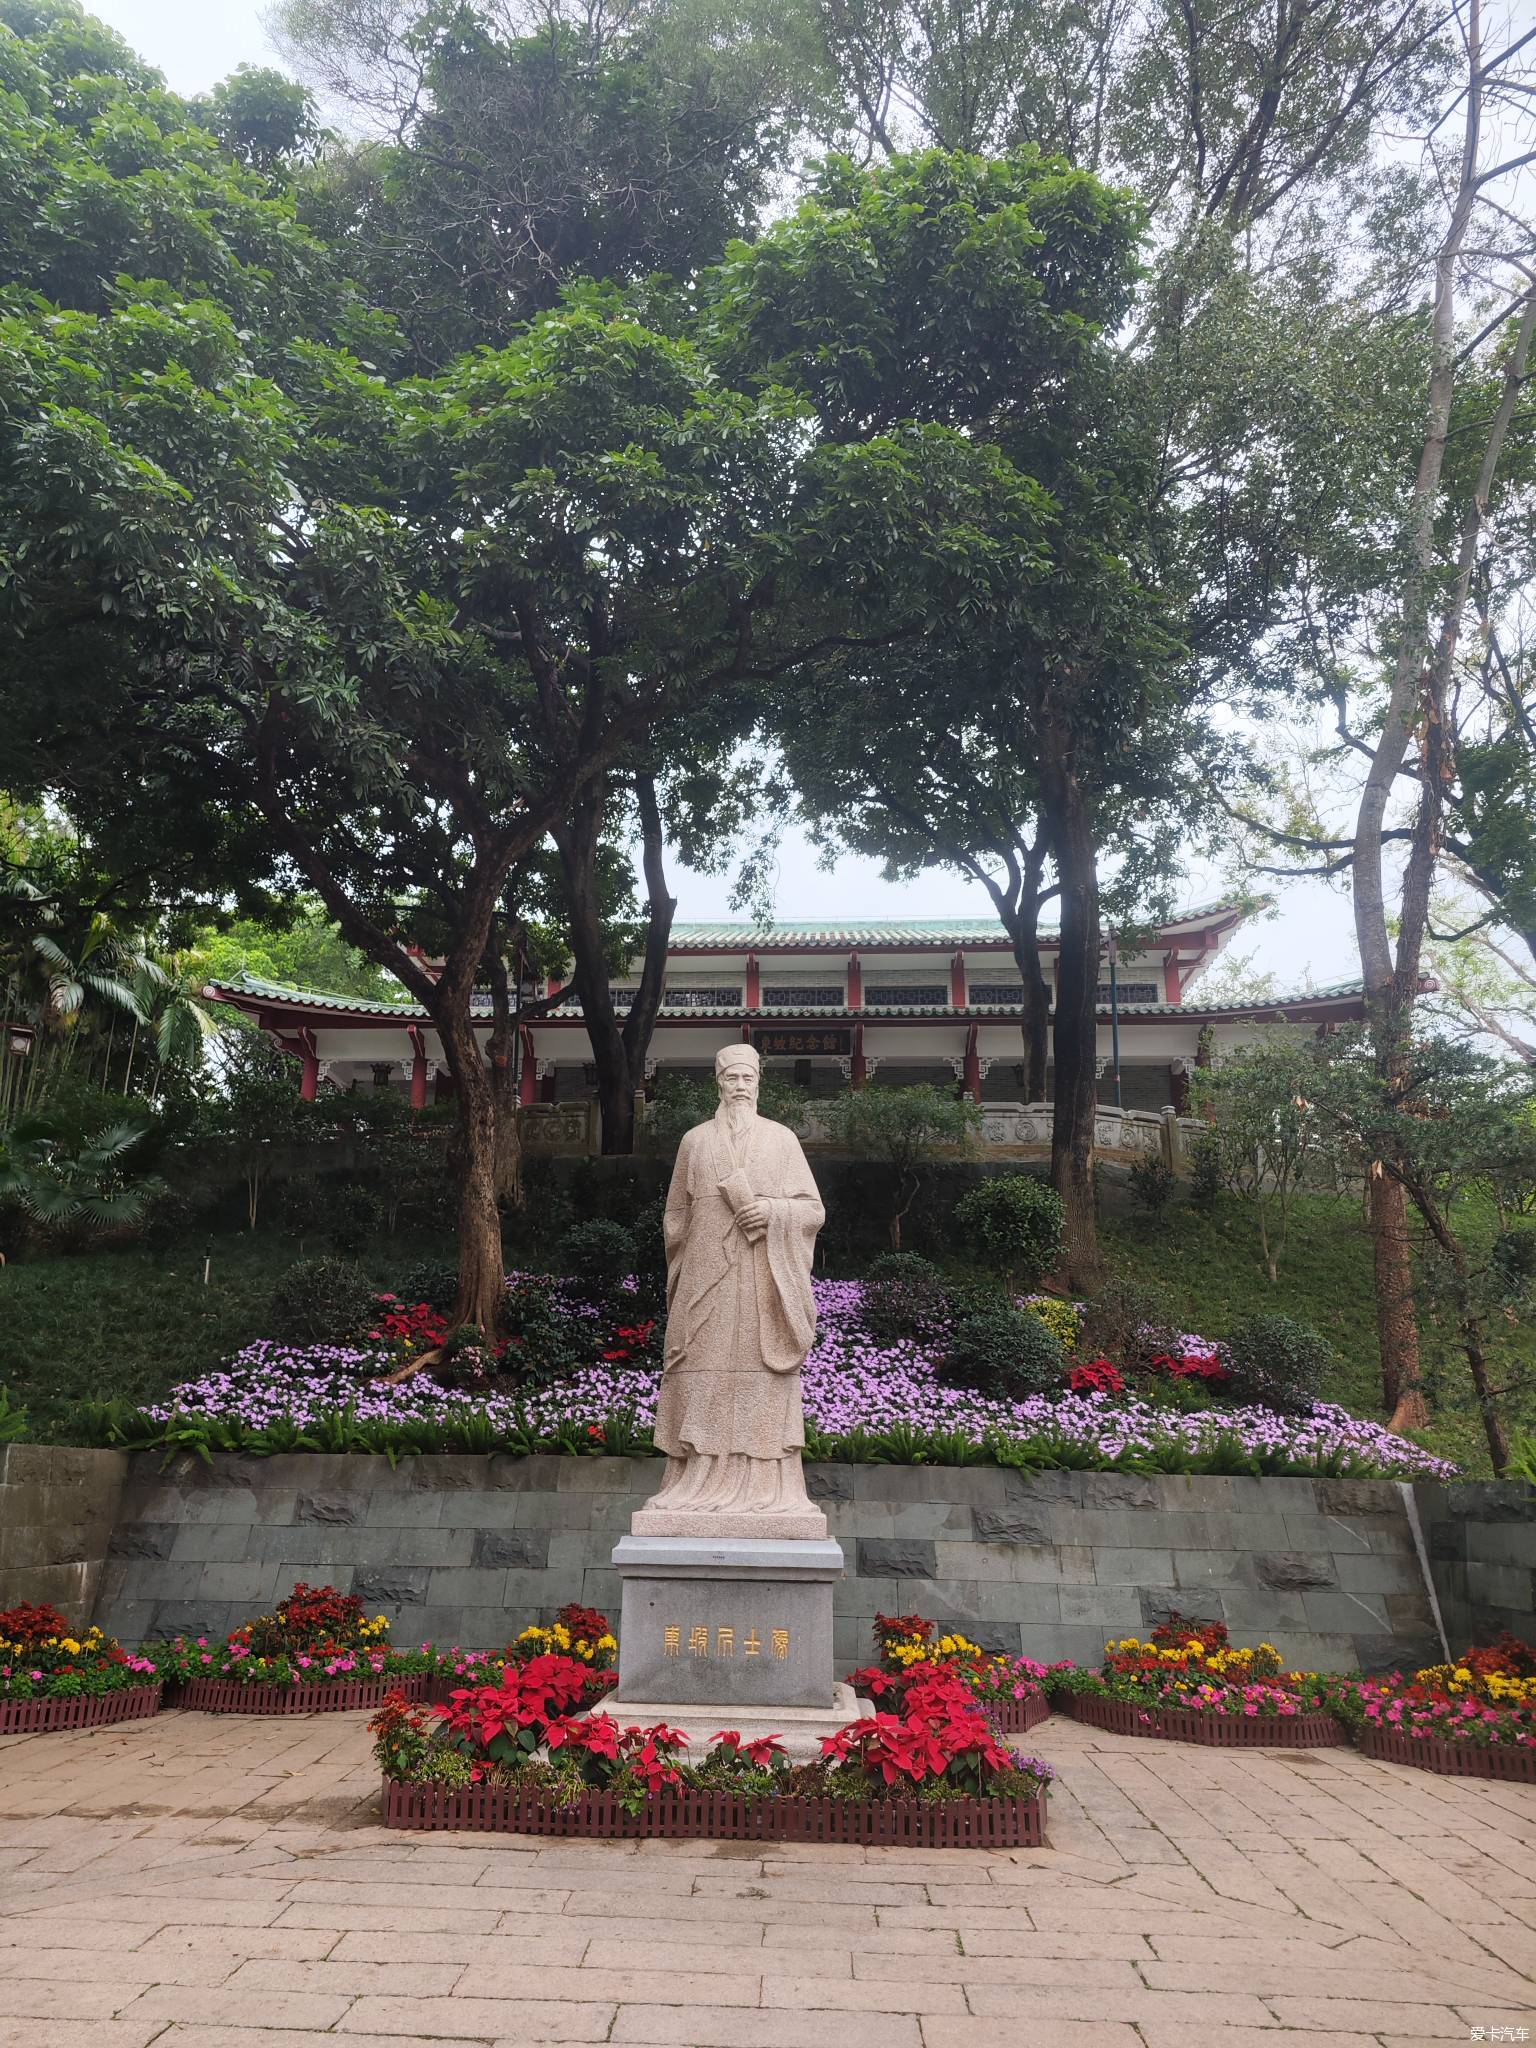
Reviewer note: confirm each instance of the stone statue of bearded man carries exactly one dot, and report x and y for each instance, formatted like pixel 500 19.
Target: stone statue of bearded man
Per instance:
pixel 741 1222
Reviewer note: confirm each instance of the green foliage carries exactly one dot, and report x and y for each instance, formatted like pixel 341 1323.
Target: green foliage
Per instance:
pixel 650 1253
pixel 1266 1137
pixel 904 1297
pixel 320 1301
pixel 76 1180
pixel 903 1128
pixel 13 1418
pixel 354 1216
pixel 1006 1352
pixel 1061 1318
pixel 1206 1178
pixel 1128 1322
pixel 430 1281
pixel 1279 1361
pixel 1152 1182
pixel 598 1255
pixel 1014 1222
pixel 304 951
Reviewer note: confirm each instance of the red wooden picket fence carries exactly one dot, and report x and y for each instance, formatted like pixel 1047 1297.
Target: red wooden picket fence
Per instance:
pixel 725 1817
pixel 1216 1731
pixel 1017 1717
pixel 1512 1763
pixel 98 1710
pixel 330 1696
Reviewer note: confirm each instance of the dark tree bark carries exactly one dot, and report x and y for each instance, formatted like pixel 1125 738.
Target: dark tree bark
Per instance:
pixel 1076 1029
pixel 509 1144
pixel 618 1050
pixel 1021 921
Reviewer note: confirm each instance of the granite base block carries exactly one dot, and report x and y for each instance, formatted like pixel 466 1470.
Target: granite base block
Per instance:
pixel 725 1625
pixel 800 1729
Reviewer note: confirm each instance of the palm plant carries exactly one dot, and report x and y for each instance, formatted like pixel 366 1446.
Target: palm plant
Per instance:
pixel 69 1177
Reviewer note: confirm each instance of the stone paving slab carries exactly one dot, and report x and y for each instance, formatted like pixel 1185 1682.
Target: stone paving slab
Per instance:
pixel 201 1881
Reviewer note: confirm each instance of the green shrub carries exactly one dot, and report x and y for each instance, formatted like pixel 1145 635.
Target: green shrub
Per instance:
pixel 598 1255
pixel 431 1281
pixel 1513 1256
pixel 543 1341
pixel 1014 1223
pixel 1205 1172
pixel 353 1218
pixel 1152 1183
pixel 303 1205
pixel 1279 1361
pixel 903 1297
pixel 650 1254
pixel 169 1220
pixel 322 1300
pixel 1005 1352
pixel 1127 1323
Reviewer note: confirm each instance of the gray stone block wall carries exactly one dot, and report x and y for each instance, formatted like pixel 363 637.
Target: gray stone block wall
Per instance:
pixel 57 1510
pixel 468 1549
pixel 1481 1537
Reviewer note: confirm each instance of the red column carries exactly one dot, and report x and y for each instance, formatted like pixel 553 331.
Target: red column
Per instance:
pixel 1175 980
pixel 855 982
pixel 957 989
pixel 418 1069
pixel 309 1080
pixel 856 1069
pixel 528 1074
pixel 972 1065
pixel 754 989
pixel 547 1085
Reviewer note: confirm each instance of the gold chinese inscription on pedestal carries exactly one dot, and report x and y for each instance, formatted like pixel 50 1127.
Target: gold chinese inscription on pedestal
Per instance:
pixel 725 1642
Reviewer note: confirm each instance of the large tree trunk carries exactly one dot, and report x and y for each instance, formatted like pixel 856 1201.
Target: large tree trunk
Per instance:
pixel 1076 1031
pixel 1023 926
pixel 1396 1323
pixel 618 1051
pixel 577 839
pixel 508 1169
pixel 482 1291
pixel 660 908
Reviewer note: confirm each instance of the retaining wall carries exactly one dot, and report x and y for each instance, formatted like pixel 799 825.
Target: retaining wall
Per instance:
pixel 1482 1543
pixel 57 1512
pixel 461 1549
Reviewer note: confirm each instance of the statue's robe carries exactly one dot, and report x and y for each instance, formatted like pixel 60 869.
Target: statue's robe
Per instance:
pixel 740 1319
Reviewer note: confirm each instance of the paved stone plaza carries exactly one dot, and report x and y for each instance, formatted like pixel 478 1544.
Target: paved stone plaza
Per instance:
pixel 205 1882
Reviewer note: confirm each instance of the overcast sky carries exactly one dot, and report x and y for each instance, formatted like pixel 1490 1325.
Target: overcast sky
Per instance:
pixel 197 42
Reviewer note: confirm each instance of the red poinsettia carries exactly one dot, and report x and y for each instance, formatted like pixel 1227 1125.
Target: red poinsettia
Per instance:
pixel 1096 1376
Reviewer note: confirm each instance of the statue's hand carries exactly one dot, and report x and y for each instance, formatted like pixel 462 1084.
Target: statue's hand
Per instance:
pixel 753 1218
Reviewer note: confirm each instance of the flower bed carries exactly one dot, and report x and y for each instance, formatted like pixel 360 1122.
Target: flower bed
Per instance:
pixel 864 1399
pixel 319 1696
pixel 1217 1730
pixel 1189 1684
pixel 85 1710
pixel 521 1755
pixel 318 1652
pixel 1009 1690
pixel 1448 1717
pixel 725 1817
pixel 1513 1764
pixel 53 1677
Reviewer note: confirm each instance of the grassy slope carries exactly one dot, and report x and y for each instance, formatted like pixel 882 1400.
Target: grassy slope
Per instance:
pixel 123 1323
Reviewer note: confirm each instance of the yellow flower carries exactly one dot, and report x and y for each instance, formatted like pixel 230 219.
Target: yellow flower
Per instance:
pixel 71 1645
pixel 607 1642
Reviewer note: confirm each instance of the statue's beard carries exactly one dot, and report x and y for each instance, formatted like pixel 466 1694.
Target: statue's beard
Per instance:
pixel 737 1117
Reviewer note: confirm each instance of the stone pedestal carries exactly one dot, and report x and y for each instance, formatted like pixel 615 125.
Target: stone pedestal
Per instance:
pixel 726 1623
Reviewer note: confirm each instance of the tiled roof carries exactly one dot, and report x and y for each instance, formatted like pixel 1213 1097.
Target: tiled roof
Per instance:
pixel 788 934
pixel 250 985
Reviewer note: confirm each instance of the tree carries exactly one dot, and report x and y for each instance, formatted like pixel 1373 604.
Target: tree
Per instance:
pixel 1264 1133
pixel 1450 1127
pixel 520 146
pixel 403 623
pixel 305 950
pixel 904 1129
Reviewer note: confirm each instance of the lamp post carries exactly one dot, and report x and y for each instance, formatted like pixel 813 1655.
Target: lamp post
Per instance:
pixel 1114 1012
